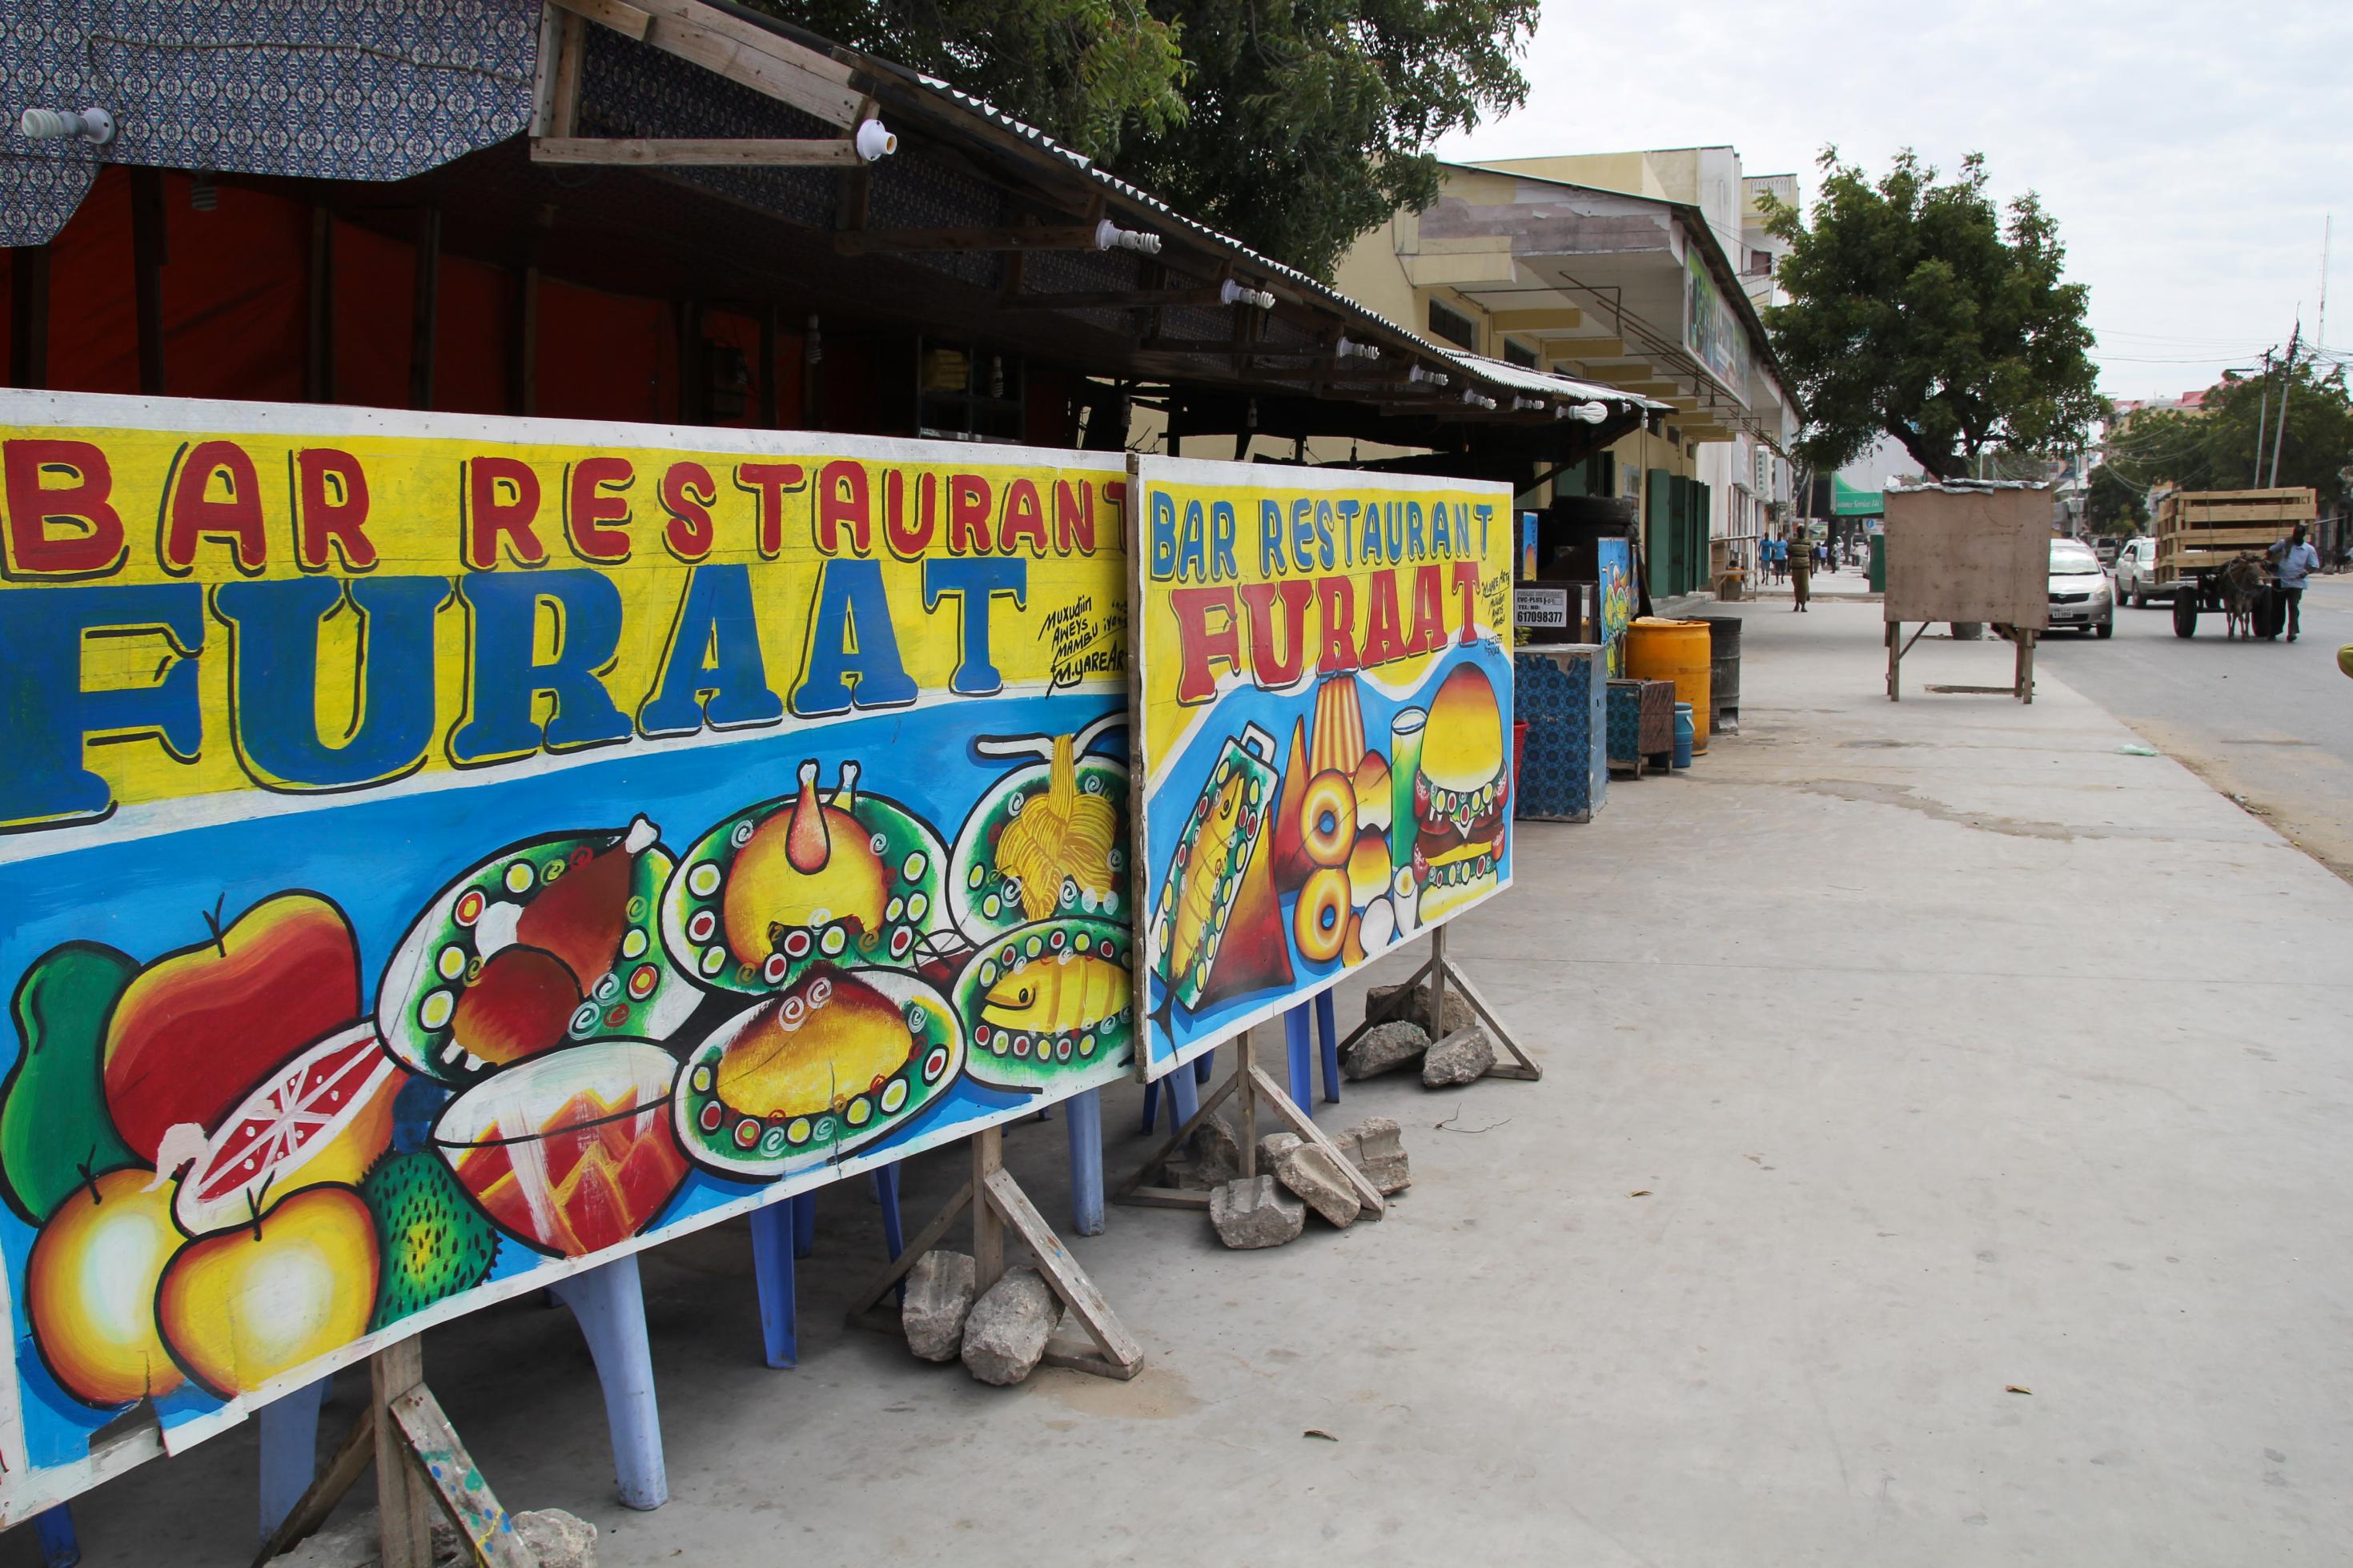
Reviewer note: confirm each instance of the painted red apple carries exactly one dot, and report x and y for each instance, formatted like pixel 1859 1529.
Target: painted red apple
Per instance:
pixel 197 1030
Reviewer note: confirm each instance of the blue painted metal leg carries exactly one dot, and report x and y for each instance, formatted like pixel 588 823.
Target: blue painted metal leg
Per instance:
pixel 1298 1052
pixel 1329 1027
pixel 290 1451
pixel 1204 1065
pixel 1085 1121
pixel 610 1304
pixel 1151 1104
pixel 772 1276
pixel 886 1192
pixel 60 1547
pixel 1183 1095
pixel 804 1225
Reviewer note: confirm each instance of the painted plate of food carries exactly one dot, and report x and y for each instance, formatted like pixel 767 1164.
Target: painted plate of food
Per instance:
pixel 844 878
pixel 549 942
pixel 1047 1001
pixel 573 1152
pixel 840 1059
pixel 1048 840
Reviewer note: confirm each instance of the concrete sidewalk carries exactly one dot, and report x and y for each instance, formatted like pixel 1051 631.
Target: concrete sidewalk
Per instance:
pixel 1952 1049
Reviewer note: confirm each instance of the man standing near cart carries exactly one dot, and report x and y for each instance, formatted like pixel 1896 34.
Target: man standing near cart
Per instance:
pixel 2296 561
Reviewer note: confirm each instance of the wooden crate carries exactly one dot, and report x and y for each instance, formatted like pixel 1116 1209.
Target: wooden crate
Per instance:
pixel 2202 530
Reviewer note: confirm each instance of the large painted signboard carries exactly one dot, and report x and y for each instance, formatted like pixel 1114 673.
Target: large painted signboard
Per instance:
pixel 440 854
pixel 1323 723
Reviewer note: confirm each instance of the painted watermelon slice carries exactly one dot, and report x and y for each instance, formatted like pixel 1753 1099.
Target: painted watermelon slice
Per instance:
pixel 551 942
pixel 324 1116
pixel 573 1152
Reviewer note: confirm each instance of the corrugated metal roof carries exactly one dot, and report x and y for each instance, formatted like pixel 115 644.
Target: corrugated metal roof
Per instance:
pixel 1495 372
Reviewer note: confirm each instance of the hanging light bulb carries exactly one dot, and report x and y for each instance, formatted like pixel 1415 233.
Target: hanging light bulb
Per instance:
pixel 204 195
pixel 58 125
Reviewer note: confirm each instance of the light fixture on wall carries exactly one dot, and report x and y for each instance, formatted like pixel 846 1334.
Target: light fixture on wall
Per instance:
pixel 1232 293
pixel 1109 236
pixel 58 125
pixel 1591 413
pixel 1348 349
pixel 875 141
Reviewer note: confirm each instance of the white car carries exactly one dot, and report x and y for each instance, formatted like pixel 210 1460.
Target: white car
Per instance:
pixel 2079 590
pixel 2136 582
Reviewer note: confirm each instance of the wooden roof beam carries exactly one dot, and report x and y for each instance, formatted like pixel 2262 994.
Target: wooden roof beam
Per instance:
pixel 1103 235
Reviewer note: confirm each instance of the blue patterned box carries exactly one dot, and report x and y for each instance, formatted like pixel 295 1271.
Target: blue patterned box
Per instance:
pixel 1557 691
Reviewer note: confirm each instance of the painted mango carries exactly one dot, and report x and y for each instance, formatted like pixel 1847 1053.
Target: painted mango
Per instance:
pixel 54 1127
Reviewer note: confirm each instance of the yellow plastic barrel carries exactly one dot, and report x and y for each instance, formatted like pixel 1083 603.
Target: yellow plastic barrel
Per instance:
pixel 1679 651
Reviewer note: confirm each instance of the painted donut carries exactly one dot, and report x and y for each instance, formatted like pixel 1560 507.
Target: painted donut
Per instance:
pixel 1327 822
pixel 1320 921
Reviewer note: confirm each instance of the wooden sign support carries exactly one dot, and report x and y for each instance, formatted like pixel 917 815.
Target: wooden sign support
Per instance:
pixel 420 1463
pixel 1250 1087
pixel 998 1205
pixel 2022 684
pixel 1442 973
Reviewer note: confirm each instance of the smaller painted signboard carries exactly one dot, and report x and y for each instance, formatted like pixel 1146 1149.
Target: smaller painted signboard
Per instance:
pixel 1321 720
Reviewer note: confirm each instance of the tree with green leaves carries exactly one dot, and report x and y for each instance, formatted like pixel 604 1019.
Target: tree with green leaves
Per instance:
pixel 1294 125
pixel 2214 447
pixel 2113 504
pixel 1920 311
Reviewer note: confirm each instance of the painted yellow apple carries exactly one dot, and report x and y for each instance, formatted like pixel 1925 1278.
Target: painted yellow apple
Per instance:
pixel 242 1307
pixel 89 1289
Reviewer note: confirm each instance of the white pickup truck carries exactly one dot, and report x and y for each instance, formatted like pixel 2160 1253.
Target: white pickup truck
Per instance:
pixel 2135 573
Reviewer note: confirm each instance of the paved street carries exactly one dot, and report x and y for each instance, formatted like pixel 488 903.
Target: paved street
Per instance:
pixel 1940 1160
pixel 2268 722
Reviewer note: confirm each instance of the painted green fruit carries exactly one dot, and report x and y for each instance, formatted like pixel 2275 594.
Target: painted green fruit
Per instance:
pixel 436 1242
pixel 55 1132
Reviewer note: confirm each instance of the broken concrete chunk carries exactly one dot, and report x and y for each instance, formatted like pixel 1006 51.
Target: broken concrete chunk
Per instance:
pixel 1459 1014
pixel 1271 1147
pixel 1256 1212
pixel 939 1295
pixel 1316 1178
pixel 1460 1057
pixel 557 1539
pixel 1210 1157
pixel 1006 1332
pixel 1374 1147
pixel 1384 1047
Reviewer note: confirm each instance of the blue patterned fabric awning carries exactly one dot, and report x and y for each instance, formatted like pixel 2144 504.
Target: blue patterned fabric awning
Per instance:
pixel 347 89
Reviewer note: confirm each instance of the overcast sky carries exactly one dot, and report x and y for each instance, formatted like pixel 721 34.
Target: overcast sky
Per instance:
pixel 2189 152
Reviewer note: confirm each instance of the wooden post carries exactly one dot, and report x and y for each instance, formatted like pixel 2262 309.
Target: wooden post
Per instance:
pixel 319 346
pixel 150 249
pixel 28 316
pixel 1436 1021
pixel 425 316
pixel 1896 662
pixel 404 1507
pixel 1245 1099
pixel 987 1225
pixel 2026 665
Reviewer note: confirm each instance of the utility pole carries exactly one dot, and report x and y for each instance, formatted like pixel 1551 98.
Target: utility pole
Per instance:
pixel 2262 420
pixel 2288 381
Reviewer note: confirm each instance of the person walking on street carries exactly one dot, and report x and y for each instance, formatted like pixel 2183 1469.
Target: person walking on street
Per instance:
pixel 1801 573
pixel 2297 561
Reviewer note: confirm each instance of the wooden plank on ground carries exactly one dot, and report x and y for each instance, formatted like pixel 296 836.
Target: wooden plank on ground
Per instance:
pixel 352 1459
pixel 925 1241
pixel 1276 1101
pixel 451 1473
pixel 1069 1281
